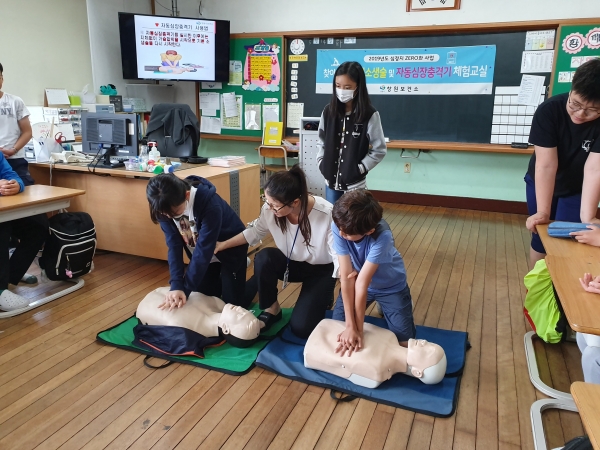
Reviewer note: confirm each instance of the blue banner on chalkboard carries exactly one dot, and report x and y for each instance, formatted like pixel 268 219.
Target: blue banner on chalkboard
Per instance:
pixel 415 71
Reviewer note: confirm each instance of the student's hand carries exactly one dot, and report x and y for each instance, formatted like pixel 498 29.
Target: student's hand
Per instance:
pixel 591 237
pixel 173 299
pixel 8 151
pixel 538 218
pixel 219 247
pixel 352 274
pixel 10 187
pixel 350 340
pixel 590 284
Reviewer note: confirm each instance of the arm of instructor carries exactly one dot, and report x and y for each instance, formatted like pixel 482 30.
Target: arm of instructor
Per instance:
pixel 590 194
pixel 546 165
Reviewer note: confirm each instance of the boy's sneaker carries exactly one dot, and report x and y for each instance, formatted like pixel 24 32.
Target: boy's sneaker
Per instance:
pixel 9 301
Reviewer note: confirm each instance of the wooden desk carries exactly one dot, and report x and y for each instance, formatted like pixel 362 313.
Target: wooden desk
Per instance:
pixel 34 200
pixel 581 308
pixel 566 247
pixel 38 199
pixel 587 399
pixel 117 201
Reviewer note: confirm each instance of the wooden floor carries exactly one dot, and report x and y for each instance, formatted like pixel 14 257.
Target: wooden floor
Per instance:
pixel 59 388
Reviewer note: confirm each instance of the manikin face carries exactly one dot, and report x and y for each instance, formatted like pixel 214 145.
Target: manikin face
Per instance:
pixel 422 354
pixel 581 111
pixel 239 322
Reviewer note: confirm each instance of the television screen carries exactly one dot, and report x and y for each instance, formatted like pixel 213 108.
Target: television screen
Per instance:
pixel 174 48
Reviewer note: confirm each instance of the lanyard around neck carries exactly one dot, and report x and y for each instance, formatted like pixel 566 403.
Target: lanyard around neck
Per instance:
pixel 294 243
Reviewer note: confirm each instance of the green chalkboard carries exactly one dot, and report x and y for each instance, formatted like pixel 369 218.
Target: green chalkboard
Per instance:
pixel 259 82
pixel 576 43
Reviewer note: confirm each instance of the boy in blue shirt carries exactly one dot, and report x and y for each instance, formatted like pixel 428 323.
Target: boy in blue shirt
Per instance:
pixel 371 269
pixel 31 233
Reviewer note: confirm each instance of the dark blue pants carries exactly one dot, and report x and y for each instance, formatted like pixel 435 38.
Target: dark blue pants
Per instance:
pixel 21 167
pixel 396 308
pixel 566 209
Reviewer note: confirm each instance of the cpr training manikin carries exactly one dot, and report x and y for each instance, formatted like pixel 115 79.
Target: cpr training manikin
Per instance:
pixel 204 315
pixel 380 357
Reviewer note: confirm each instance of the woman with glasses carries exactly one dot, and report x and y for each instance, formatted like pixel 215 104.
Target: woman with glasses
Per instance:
pixel 193 218
pixel 301 228
pixel 563 179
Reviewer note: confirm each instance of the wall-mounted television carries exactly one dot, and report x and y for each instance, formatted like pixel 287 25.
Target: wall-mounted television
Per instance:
pixel 174 48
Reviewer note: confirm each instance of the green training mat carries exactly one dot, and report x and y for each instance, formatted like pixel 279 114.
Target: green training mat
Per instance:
pixel 224 358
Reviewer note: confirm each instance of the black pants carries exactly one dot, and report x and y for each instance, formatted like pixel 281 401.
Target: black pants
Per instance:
pixel 21 167
pixel 316 293
pixel 226 281
pixel 31 233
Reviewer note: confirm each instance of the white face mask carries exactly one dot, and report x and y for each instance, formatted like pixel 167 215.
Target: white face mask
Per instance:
pixel 344 95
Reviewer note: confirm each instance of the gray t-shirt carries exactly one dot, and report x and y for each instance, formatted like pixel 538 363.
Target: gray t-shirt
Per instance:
pixel 12 109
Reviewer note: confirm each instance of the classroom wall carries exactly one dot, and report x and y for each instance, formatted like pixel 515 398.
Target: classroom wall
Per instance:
pixel 106 47
pixel 463 174
pixel 44 44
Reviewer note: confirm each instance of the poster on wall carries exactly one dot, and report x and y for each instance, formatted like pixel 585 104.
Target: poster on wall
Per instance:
pixel 261 67
pixel 415 71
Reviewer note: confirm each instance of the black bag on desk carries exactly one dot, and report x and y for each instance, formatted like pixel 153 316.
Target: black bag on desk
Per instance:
pixel 70 248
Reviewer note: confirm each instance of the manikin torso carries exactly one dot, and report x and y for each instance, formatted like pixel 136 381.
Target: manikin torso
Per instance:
pixel 379 359
pixel 201 313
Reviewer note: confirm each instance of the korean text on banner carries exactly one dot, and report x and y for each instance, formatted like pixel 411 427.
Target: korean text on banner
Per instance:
pixel 415 71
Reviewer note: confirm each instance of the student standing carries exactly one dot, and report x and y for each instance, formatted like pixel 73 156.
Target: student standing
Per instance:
pixel 193 218
pixel 15 132
pixel 563 179
pixel 300 226
pixel 371 269
pixel 350 134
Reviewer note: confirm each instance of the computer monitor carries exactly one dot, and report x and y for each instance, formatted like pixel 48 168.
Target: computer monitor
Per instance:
pixel 109 135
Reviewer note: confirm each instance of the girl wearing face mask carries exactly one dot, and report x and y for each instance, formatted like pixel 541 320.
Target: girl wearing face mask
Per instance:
pixel 300 225
pixel 350 134
pixel 193 218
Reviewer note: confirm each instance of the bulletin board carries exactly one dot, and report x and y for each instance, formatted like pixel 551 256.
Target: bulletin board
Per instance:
pixel 465 117
pixel 575 45
pixel 256 79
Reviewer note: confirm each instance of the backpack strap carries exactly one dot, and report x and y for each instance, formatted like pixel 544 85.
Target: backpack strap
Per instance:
pixel 147 364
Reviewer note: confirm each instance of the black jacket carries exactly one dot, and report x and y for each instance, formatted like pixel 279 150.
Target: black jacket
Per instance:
pixel 177 121
pixel 354 149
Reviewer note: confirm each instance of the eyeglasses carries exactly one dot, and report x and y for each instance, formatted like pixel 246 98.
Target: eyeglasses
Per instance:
pixel 264 200
pixel 587 112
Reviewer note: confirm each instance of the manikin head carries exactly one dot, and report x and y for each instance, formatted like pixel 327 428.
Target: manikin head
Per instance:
pixel 426 361
pixel 238 326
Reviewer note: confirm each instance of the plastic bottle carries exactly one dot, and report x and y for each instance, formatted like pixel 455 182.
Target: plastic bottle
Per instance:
pixel 153 154
pixel 143 157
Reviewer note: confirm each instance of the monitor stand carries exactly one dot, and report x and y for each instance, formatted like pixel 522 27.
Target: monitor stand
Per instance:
pixel 105 162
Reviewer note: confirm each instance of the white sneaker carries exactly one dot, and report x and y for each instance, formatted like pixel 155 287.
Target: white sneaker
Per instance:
pixel 9 301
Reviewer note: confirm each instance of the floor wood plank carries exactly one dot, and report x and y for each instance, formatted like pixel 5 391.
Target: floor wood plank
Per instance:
pixel 62 389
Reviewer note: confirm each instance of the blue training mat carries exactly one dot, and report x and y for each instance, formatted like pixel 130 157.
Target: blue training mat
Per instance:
pixel 284 356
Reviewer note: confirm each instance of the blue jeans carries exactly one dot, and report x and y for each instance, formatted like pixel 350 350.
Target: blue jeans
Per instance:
pixel 396 308
pixel 331 195
pixel 566 209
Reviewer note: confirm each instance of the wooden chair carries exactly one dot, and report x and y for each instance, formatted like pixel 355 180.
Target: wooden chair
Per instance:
pixel 272 151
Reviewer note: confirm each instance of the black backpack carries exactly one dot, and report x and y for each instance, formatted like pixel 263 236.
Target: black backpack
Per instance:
pixel 70 248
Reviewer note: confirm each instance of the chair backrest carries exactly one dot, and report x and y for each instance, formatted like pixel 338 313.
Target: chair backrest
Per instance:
pixel 175 129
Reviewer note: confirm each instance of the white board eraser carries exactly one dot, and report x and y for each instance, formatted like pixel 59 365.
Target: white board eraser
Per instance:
pixel 387 139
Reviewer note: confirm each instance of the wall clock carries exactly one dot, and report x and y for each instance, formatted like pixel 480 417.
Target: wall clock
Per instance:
pixel 431 5
pixel 297 46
